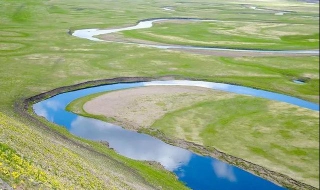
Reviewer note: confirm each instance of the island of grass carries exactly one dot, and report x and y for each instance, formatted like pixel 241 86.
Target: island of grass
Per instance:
pixel 278 136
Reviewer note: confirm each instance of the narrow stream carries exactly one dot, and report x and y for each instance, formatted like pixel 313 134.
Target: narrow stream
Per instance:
pixel 197 172
pixel 148 23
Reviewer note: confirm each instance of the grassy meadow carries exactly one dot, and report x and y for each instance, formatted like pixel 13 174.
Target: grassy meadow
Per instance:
pixel 37 54
pixel 258 28
pixel 275 135
pixel 234 34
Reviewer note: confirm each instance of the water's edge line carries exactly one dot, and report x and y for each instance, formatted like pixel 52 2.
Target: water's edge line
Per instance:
pixel 24 108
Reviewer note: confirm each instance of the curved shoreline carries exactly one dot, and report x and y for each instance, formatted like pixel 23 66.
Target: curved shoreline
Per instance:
pixel 23 108
pixel 148 23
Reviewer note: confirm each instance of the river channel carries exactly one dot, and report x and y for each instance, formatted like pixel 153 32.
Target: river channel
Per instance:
pixel 196 171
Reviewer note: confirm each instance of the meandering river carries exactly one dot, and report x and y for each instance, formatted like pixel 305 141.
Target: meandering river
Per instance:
pixel 148 23
pixel 196 171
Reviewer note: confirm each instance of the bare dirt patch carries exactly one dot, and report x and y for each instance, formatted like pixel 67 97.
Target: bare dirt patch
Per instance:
pixel 140 107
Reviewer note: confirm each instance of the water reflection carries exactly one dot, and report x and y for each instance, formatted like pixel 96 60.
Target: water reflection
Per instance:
pixel 223 170
pixel 42 111
pixel 298 81
pixel 131 144
pixel 54 105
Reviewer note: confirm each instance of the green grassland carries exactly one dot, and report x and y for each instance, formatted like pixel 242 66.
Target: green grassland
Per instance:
pixel 76 106
pixel 37 54
pixel 241 35
pixel 277 136
pixel 258 29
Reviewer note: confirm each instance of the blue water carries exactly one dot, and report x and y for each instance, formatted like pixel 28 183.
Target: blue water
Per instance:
pixel 298 82
pixel 197 172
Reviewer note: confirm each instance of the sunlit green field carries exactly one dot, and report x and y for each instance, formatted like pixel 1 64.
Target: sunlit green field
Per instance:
pixel 280 137
pixel 234 34
pixel 246 25
pixel 37 54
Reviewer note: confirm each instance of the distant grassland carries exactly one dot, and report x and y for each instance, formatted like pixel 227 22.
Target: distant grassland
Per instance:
pixel 239 26
pixel 37 54
pixel 242 35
